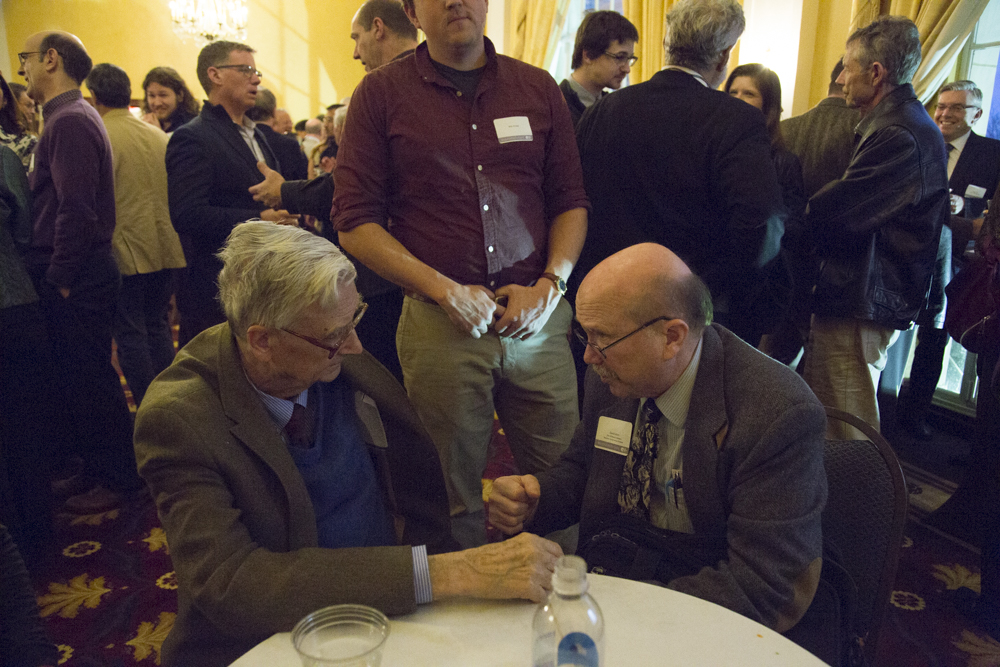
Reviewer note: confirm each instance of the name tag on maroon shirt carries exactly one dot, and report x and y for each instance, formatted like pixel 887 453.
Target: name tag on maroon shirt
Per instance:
pixel 513 128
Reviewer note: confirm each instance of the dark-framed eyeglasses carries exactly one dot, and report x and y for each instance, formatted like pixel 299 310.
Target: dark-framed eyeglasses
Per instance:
pixel 246 70
pixel 581 334
pixel 622 58
pixel 333 349
pixel 22 57
pixel 957 108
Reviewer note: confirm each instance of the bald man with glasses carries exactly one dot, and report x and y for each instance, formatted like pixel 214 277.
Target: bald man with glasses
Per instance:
pixel 689 434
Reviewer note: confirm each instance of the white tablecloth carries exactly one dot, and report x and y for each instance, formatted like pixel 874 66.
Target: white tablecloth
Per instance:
pixel 644 625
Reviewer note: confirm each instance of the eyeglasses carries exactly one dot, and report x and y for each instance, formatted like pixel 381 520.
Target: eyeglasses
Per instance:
pixel 581 335
pixel 957 108
pixel 333 349
pixel 622 58
pixel 246 70
pixel 23 55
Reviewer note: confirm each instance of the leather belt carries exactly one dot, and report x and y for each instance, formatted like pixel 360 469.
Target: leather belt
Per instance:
pixel 419 297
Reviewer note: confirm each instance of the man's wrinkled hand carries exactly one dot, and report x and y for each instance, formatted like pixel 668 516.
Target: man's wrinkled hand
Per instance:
pixel 528 309
pixel 268 191
pixel 470 308
pixel 281 217
pixel 520 567
pixel 513 502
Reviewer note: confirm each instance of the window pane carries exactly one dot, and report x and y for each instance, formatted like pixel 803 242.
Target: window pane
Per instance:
pixel 982 70
pixel 954 366
pixel 988 27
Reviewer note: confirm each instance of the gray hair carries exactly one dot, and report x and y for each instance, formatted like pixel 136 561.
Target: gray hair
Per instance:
pixel 698 31
pixel 264 107
pixel 340 117
pixel 686 298
pixel 314 126
pixel 271 273
pixel 965 86
pixel 893 42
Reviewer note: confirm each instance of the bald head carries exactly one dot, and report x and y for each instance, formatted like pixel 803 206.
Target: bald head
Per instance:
pixel 55 62
pixel 647 281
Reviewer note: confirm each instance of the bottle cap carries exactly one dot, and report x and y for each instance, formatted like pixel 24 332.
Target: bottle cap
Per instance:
pixel 570 577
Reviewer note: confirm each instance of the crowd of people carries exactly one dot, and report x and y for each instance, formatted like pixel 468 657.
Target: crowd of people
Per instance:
pixel 600 267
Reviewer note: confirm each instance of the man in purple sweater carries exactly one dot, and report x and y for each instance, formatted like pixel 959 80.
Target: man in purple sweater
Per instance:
pixel 70 262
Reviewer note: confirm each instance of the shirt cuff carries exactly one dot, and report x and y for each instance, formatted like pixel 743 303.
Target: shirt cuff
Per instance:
pixel 422 575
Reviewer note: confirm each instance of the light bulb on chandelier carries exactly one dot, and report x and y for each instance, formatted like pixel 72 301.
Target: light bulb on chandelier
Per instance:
pixel 210 20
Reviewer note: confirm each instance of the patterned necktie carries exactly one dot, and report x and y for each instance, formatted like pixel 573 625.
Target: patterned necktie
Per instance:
pixel 299 428
pixel 633 493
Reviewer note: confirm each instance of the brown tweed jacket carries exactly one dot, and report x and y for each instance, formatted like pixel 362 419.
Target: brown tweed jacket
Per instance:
pixel 238 517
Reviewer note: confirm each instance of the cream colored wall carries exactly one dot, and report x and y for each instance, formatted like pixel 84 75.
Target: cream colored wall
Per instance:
pixel 303 46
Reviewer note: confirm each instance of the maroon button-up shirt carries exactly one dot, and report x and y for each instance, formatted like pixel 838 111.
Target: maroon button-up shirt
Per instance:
pixel 419 159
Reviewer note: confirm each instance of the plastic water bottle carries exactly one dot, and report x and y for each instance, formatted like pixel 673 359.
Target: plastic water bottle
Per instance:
pixel 568 626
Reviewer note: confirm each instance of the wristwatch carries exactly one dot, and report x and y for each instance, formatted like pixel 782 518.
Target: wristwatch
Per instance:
pixel 559 282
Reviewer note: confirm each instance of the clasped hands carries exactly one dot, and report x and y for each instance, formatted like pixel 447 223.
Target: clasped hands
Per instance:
pixel 514 311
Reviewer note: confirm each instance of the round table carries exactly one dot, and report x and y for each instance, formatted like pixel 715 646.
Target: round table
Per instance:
pixel 644 625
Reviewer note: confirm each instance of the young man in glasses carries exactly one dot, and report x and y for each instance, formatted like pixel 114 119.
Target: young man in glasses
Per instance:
pixel 289 470
pixel 211 162
pixel 602 57
pixel 690 433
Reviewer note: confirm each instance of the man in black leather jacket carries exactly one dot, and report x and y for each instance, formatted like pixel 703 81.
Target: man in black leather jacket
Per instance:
pixel 876 229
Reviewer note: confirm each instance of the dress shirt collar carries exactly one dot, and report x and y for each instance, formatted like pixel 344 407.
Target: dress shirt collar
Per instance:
pixel 959 143
pixel 280 409
pixel 586 97
pixel 427 71
pixel 61 100
pixel 697 77
pixel 674 402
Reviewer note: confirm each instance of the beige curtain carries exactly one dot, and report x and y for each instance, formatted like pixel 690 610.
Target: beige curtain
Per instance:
pixel 537 25
pixel 864 12
pixel 649 18
pixel 944 27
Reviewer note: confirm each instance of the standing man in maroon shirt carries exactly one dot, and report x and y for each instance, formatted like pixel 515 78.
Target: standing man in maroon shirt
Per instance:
pixel 71 264
pixel 459 179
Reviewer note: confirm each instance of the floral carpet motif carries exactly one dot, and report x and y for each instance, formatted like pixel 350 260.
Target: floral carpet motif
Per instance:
pixel 108 591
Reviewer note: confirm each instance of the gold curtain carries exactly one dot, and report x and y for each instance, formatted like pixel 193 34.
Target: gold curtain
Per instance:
pixel 864 12
pixel 537 25
pixel 944 27
pixel 649 17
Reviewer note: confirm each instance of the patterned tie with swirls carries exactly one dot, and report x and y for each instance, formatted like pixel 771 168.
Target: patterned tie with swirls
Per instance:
pixel 633 493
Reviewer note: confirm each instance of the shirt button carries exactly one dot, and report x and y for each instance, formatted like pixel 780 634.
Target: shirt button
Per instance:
pixel 486 207
pixel 474 126
pixel 459 93
pixel 493 283
pixel 490 248
pixel 480 167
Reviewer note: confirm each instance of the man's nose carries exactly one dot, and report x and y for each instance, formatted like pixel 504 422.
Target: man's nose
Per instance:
pixel 592 356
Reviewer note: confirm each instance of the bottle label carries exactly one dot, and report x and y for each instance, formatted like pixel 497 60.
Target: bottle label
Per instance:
pixel 578 649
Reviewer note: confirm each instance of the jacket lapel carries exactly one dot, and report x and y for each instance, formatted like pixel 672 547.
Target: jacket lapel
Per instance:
pixel 232 136
pixel 601 493
pixel 963 174
pixel 254 428
pixel 704 436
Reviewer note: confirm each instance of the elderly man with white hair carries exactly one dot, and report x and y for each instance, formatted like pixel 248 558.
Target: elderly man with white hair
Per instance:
pixel 289 470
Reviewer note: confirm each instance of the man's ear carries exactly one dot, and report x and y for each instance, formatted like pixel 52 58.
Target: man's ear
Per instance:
pixel 379 28
pixel 979 114
pixel 51 60
pixel 878 74
pixel 411 13
pixel 259 342
pixel 676 332
pixel 723 62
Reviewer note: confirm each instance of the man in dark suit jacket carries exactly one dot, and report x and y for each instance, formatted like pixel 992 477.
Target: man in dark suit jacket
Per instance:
pixel 602 57
pixel 823 137
pixel 292 162
pixel 973 175
pixel 211 161
pixel 737 452
pixel 291 472
pixel 674 161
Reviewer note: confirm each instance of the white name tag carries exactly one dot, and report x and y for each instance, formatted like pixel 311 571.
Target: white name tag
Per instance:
pixel 513 128
pixel 613 435
pixel 975 192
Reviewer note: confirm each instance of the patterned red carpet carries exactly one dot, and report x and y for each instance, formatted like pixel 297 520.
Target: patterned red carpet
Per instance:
pixel 107 591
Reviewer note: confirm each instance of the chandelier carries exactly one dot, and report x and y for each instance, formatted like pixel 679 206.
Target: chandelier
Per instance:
pixel 210 20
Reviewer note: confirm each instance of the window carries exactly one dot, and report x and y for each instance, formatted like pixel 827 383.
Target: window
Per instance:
pixel 979 59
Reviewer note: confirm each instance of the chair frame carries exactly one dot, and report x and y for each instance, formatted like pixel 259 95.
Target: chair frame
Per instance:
pixel 899 514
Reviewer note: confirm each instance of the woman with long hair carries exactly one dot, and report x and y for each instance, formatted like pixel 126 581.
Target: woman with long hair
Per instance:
pixel 759 86
pixel 13 125
pixel 27 107
pixel 167 103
